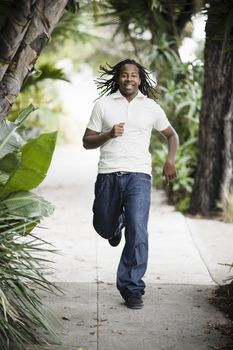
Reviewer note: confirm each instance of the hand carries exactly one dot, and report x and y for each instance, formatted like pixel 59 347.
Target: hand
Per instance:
pixel 117 130
pixel 169 171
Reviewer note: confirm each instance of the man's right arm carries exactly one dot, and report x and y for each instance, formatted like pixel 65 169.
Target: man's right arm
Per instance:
pixel 93 139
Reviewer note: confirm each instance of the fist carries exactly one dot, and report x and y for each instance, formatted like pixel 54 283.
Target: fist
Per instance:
pixel 117 130
pixel 169 171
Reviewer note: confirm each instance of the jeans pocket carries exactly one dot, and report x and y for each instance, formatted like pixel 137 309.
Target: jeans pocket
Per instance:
pixel 101 177
pixel 100 183
pixel 144 176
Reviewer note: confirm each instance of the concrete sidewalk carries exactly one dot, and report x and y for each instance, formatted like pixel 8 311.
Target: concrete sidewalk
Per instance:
pixel 183 270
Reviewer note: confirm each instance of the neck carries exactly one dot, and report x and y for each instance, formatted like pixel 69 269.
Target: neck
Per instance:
pixel 129 97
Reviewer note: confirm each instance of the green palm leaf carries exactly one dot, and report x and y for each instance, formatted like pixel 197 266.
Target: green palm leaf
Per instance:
pixel 7 165
pixel 21 309
pixel 10 139
pixel 36 158
pixel 45 71
pixel 26 204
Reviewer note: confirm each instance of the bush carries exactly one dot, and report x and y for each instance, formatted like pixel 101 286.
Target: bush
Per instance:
pixel 179 191
pixel 180 87
pixel 23 165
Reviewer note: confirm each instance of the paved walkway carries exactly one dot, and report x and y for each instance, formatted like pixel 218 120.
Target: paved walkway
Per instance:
pixel 183 270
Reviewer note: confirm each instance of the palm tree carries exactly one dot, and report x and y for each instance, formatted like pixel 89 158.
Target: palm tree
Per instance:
pixel 214 175
pixel 26 27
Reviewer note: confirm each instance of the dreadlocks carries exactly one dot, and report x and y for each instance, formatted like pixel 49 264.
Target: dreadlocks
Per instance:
pixel 109 86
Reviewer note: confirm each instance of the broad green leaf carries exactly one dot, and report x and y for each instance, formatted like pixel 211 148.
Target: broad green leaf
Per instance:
pixel 10 140
pixel 8 164
pixel 35 161
pixel 25 204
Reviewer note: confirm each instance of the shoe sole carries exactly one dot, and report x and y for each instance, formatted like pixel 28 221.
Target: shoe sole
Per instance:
pixel 135 307
pixel 116 240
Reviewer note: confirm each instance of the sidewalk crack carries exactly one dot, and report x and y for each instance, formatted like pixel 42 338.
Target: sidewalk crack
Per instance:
pixel 97 297
pixel 199 252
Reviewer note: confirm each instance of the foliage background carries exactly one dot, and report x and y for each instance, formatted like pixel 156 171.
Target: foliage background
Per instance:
pixel 24 162
pixel 91 39
pixel 99 32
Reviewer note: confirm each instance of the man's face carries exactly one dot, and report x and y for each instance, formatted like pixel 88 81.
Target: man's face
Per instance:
pixel 129 80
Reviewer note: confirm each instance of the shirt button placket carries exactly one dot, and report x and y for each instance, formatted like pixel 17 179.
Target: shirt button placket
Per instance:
pixel 128 111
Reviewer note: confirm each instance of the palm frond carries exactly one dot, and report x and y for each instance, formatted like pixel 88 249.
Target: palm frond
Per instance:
pixel 42 72
pixel 21 310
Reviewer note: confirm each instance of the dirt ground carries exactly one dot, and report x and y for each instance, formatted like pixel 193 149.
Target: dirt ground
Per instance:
pixel 223 300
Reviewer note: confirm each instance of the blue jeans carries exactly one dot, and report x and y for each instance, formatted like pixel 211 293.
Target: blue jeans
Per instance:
pixel 122 200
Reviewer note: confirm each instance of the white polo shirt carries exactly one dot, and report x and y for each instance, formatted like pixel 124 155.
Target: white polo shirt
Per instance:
pixel 129 152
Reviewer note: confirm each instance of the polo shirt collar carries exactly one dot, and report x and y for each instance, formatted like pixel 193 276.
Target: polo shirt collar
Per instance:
pixel 118 94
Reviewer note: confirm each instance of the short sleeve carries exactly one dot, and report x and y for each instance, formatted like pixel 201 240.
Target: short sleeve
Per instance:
pixel 95 122
pixel 161 121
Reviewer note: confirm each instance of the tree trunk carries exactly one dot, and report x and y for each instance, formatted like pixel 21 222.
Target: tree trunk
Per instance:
pixel 14 30
pixel 30 40
pixel 214 176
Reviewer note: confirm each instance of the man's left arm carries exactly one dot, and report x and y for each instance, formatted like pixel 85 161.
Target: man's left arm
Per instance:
pixel 169 169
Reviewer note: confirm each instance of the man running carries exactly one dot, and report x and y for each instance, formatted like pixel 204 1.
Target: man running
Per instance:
pixel 121 123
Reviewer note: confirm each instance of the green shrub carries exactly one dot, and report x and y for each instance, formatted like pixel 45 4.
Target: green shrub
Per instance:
pixel 180 189
pixel 180 86
pixel 23 165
